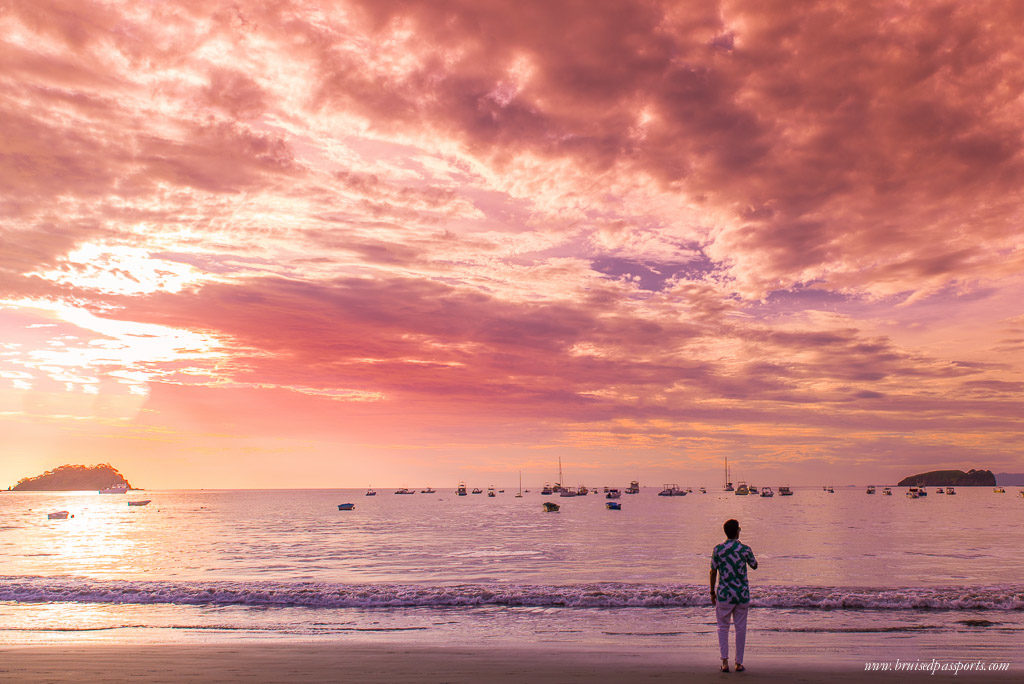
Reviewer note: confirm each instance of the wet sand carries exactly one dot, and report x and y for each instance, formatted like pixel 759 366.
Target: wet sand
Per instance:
pixel 341 661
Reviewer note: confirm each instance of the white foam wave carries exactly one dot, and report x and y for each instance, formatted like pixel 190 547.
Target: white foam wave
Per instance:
pixel 602 595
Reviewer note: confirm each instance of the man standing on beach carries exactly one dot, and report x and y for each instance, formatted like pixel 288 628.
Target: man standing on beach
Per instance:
pixel 729 563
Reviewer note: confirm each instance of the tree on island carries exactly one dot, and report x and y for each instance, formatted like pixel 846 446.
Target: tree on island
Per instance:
pixel 73 478
pixel 951 478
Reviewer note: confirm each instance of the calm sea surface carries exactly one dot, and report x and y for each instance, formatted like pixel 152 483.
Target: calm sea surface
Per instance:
pixel 939 573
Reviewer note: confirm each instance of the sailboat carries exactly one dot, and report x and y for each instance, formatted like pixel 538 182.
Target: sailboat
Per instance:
pixel 520 494
pixel 728 482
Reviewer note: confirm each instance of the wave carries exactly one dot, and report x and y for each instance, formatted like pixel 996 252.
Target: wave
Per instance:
pixel 30 589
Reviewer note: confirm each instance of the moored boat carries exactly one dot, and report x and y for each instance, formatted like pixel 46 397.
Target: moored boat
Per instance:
pixel 871 489
pixel 404 490
pixel 950 491
pixel 613 494
pixel 742 489
pixel 461 490
pixel 887 491
pixel 115 489
pixel 671 490
pixel 550 507
pixel 58 515
pixel 346 506
pixel 613 505
pixel 785 491
pixel 141 502
pixel 634 487
pixel 767 492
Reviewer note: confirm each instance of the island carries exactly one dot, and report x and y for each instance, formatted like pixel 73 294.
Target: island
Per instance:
pixel 73 478
pixel 951 478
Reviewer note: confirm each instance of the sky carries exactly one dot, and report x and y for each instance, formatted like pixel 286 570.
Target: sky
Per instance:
pixel 309 244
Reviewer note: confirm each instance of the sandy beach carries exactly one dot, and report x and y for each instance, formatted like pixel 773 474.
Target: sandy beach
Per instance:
pixel 327 662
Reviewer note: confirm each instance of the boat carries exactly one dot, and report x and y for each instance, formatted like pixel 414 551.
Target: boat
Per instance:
pixel 887 491
pixel 871 489
pixel 141 502
pixel 520 494
pixel 613 505
pixel 346 506
pixel 950 491
pixel 428 490
pixel 371 492
pixel 58 515
pixel 785 491
pixel 404 490
pixel 938 490
pixel 634 487
pixel 567 492
pixel 752 489
pixel 767 491
pixel 671 490
pixel 999 490
pixel 912 494
pixel 703 490
pixel 831 489
pixel 550 507
pixel 115 489
pixel 477 490
pixel 922 492
pixel 461 490
pixel 490 491
pixel 582 491
pixel 546 490
pixel 728 482
pixel 741 489
pixel 613 494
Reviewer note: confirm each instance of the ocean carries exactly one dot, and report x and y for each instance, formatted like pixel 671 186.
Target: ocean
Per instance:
pixel 848 575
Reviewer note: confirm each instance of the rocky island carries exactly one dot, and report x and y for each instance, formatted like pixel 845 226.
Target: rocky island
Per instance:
pixel 951 478
pixel 73 478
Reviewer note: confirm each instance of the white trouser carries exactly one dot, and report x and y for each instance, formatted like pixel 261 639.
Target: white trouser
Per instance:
pixel 737 612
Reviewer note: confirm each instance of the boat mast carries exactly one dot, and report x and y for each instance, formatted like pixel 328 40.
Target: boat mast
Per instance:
pixel 560 483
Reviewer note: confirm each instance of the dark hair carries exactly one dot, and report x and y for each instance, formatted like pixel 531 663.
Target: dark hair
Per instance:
pixel 732 528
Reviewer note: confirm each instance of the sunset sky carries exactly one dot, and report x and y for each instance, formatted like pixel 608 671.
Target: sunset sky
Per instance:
pixel 287 244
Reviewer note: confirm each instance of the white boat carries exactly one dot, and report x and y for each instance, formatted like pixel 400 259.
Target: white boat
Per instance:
pixel 703 490
pixel 950 491
pixel 613 494
pixel 887 491
pixel 634 487
pixel 741 489
pixel 785 491
pixel 871 489
pixel 58 515
pixel 461 491
pixel 752 489
pixel 115 489
pixel 371 492
pixel 671 490
pixel 490 491
pixel 546 490
pixel 428 490
pixel 767 491
pixel 141 502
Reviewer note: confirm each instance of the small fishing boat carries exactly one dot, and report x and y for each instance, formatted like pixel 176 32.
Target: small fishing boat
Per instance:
pixel 950 491
pixel 404 490
pixel 613 505
pixel 546 490
pixel 999 490
pixel 831 489
pixel 461 491
pixel 141 502
pixel 428 490
pixel 567 492
pixel 703 490
pixel 922 492
pixel 912 494
pixel 58 515
pixel 550 507
pixel 767 492
pixel 785 491
pixel 115 489
pixel 742 489
pixel 490 492
pixel 346 506
pixel 938 490
pixel 671 490
pixel 887 491
pixel 752 489
pixel 477 490
pixel 582 491
pixel 371 492
pixel 871 489
pixel 634 487
pixel 613 494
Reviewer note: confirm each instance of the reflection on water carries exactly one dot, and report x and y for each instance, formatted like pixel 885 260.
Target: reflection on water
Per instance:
pixel 812 538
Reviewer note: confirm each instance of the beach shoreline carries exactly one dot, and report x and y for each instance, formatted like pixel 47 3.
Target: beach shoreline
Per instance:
pixel 249 661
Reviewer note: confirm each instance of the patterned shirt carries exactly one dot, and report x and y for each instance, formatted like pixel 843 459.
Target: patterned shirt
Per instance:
pixel 731 559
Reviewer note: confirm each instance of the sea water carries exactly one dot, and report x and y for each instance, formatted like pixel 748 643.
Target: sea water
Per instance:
pixel 839 573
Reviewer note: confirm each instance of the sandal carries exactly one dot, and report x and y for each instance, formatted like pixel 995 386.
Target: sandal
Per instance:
pixel 725 667
pixel 739 667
